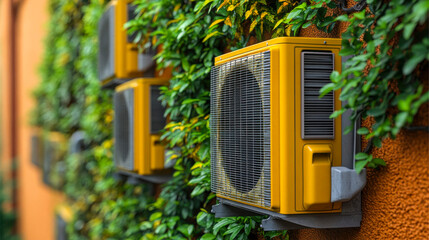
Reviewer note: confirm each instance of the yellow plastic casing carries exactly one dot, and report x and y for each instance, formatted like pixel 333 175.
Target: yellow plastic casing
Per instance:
pixel 61 145
pixel 126 53
pixel 65 211
pixel 288 187
pixel 148 151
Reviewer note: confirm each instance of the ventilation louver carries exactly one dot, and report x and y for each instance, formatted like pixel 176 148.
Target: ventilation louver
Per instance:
pixel 157 119
pixel 316 70
pixel 240 129
pixel 131 15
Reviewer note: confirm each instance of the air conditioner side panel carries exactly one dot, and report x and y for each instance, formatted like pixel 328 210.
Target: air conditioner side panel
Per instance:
pixel 139 125
pixel 275 124
pixel 335 143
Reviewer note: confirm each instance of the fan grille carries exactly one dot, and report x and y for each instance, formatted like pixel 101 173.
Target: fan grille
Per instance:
pixel 124 129
pixel 106 38
pixel 240 129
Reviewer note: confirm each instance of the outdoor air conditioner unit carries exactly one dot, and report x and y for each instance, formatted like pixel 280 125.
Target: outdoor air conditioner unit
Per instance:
pixel 37 148
pixel 54 165
pixel 118 57
pixel 274 149
pixel 139 119
pixel 63 216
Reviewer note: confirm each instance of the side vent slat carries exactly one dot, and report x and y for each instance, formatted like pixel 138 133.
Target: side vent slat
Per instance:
pixel 316 70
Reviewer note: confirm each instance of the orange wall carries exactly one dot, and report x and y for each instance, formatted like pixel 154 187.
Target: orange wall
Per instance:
pixel 36 202
pixel 395 200
pixel 5 131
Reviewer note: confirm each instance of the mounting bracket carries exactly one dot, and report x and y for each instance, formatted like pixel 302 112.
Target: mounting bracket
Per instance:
pixel 135 179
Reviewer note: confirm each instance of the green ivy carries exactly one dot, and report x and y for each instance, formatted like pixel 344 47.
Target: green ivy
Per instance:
pixel 61 95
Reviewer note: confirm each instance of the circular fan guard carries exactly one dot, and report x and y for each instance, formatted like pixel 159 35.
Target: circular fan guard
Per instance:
pixel 241 129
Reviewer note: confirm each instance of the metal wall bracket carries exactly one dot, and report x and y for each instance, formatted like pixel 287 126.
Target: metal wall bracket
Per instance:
pixel 346 183
pixel 351 216
pixel 224 210
pixel 135 179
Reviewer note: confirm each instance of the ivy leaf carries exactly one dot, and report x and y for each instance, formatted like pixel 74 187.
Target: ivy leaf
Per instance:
pixel 228 21
pixel 343 18
pixel 376 141
pixel 155 216
pixel 408 30
pixel 208 236
pixel 326 89
pixel 222 223
pixel 200 217
pixel 278 23
pixel 216 22
pixel 337 113
pixel 360 165
pixel 231 7
pixel 361 156
pixel 363 131
pixel 185 64
pixel 295 12
pixel 186 229
pixel 234 231
pixel 216 33
pixel 253 25
pixel 378 111
pixel 346 51
pixel 401 119
pixel 419 54
pixel 306 25
pixel 360 15
pixel 223 4
pixel 379 162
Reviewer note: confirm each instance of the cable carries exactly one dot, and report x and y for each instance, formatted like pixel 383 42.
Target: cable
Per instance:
pixel 417 128
pixel 358 7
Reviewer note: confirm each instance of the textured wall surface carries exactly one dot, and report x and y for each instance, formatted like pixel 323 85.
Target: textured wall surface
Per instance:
pixel 395 201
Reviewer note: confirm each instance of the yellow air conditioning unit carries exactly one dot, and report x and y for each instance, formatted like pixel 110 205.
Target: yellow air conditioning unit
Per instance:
pixel 63 216
pixel 274 149
pixel 54 165
pixel 37 148
pixel 118 57
pixel 139 119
